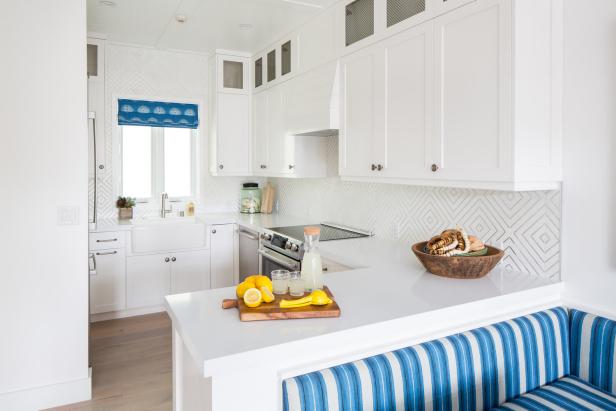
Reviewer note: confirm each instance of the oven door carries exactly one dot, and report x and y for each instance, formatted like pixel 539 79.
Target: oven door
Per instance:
pixel 270 260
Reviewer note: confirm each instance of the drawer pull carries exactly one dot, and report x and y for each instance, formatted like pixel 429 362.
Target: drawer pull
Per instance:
pixel 107 253
pixel 109 240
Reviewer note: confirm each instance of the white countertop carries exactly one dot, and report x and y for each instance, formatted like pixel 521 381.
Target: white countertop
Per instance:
pixel 389 285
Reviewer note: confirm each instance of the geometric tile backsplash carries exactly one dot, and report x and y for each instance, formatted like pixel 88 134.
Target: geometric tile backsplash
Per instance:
pixel 526 224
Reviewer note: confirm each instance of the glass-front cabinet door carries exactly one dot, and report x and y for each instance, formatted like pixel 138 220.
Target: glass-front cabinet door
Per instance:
pixel 233 74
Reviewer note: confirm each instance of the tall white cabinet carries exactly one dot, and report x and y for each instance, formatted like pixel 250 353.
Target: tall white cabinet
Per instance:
pixel 230 144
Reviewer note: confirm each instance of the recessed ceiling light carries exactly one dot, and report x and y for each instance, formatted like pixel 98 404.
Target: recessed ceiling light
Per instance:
pixel 245 26
pixel 107 3
pixel 181 18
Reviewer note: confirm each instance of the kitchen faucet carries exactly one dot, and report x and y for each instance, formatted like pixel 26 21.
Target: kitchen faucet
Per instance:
pixel 163 209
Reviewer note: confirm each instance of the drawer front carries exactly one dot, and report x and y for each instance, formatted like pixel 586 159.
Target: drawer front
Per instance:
pixel 106 240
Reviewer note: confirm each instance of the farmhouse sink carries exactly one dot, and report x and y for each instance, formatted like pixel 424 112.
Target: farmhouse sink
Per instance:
pixel 155 234
pixel 150 220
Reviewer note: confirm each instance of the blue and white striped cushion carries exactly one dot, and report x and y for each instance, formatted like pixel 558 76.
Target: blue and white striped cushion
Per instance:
pixel 569 393
pixel 475 370
pixel 592 349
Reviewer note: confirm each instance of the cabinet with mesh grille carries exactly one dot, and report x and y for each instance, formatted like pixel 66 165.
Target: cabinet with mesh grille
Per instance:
pixel 359 21
pixel 400 10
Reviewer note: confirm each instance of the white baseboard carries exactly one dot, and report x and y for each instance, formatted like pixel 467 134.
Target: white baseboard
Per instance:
pixel 112 315
pixel 40 398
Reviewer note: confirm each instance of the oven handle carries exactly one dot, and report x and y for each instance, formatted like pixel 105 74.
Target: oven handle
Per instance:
pixel 286 264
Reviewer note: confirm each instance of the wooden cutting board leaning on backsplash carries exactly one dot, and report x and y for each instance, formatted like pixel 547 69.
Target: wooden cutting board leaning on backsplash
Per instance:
pixel 267 204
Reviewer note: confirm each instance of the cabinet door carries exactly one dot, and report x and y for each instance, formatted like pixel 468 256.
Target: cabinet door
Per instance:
pixel 233 134
pixel 233 74
pixel 222 254
pixel 473 93
pixel 190 272
pixel 278 144
pixel 362 91
pixel 260 132
pixel 108 285
pixel 148 280
pixel 409 113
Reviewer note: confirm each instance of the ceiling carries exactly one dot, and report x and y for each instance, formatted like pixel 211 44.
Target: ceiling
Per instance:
pixel 210 24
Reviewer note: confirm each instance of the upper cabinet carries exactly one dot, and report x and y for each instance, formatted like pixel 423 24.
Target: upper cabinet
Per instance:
pixel 229 116
pixel 232 74
pixel 471 99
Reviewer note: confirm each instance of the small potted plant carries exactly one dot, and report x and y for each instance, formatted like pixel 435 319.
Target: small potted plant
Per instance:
pixel 125 207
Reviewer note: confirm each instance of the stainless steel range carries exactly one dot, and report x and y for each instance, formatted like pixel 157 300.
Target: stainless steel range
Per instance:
pixel 281 248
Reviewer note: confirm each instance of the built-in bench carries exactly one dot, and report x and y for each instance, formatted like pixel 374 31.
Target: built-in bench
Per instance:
pixel 554 359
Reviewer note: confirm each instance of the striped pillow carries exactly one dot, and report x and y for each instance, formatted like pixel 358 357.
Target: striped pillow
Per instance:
pixel 592 349
pixel 478 369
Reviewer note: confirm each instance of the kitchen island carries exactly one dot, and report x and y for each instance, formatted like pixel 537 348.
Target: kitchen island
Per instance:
pixel 388 301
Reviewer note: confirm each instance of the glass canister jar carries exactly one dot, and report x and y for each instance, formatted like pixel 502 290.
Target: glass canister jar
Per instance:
pixel 250 198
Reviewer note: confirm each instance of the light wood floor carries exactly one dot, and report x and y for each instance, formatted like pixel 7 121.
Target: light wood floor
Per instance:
pixel 131 365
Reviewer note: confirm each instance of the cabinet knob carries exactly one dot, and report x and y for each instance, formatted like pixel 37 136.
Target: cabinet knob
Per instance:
pixel 167 259
pixel 173 259
pixel 291 166
pixel 221 166
pixel 379 167
pixel 434 168
pixel 214 231
pixel 373 167
pixel 263 166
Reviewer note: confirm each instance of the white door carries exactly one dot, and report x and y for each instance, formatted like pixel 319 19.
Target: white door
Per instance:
pixel 409 113
pixel 190 272
pixel 472 93
pixel 108 285
pixel 260 132
pixel 233 134
pixel 362 104
pixel 148 280
pixel 222 254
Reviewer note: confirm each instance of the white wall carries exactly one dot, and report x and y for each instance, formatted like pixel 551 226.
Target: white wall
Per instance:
pixel 589 189
pixel 43 166
pixel 150 73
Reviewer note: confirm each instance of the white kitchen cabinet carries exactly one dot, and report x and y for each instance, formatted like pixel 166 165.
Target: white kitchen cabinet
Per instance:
pixel 223 249
pixel 360 148
pixel 260 133
pixel 470 99
pixel 230 116
pixel 148 280
pixel 190 272
pixel 108 281
pixel 408 110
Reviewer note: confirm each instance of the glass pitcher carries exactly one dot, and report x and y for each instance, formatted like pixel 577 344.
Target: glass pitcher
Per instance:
pixel 312 268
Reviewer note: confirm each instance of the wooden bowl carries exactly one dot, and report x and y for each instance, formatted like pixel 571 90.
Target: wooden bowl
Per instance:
pixel 459 267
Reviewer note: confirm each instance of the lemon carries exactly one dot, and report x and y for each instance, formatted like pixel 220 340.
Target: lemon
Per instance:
pixel 252 298
pixel 242 287
pixel 268 297
pixel 263 281
pixel 252 278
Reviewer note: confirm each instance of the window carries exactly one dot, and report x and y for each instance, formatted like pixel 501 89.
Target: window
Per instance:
pixel 157 160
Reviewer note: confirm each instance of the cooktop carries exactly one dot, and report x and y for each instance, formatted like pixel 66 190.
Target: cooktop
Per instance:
pixel 328 232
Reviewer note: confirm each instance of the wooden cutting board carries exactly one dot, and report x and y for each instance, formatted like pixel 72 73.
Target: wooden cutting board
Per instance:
pixel 272 311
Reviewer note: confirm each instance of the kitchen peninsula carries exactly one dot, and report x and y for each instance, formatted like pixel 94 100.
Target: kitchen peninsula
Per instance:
pixel 388 301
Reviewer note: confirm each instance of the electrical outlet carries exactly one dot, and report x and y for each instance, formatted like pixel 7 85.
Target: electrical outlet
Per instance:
pixel 396 230
pixel 68 215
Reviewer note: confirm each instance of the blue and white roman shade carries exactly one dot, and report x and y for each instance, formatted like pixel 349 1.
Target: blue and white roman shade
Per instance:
pixel 157 114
